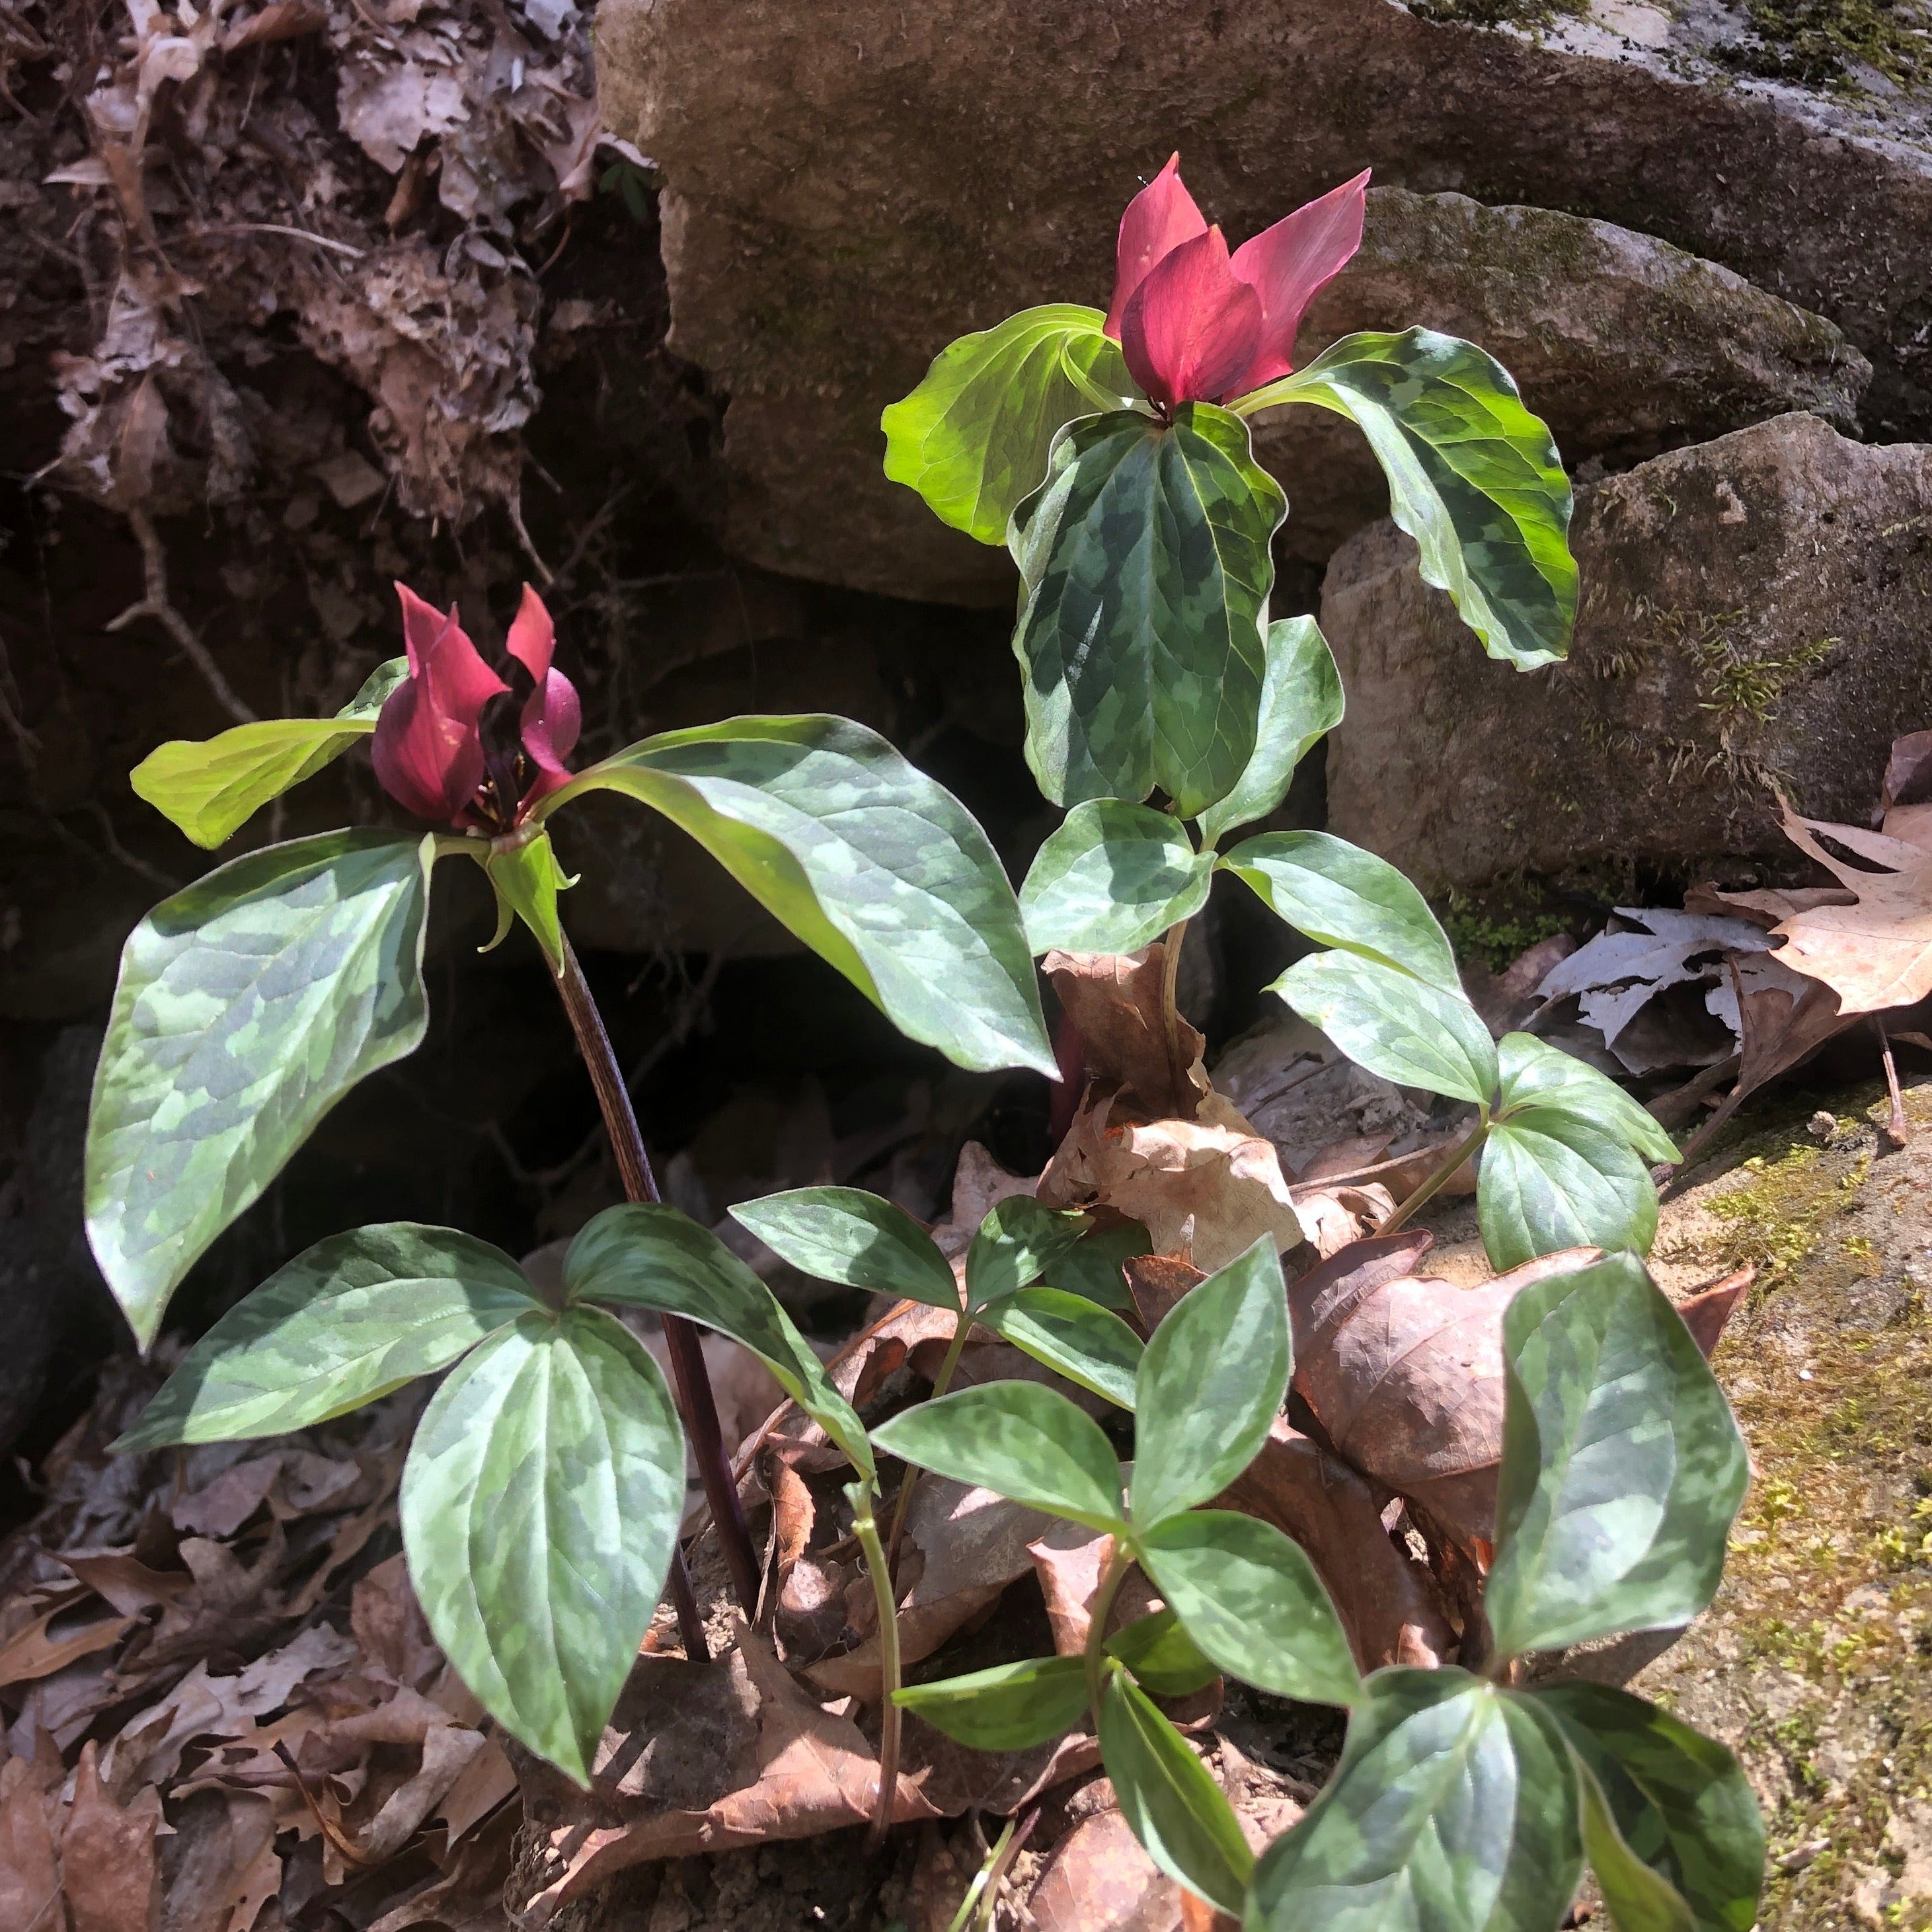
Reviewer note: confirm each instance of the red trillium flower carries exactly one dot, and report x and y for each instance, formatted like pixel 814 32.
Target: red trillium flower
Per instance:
pixel 1199 325
pixel 455 741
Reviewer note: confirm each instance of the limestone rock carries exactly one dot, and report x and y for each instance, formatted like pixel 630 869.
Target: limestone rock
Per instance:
pixel 1755 614
pixel 848 184
pixel 1623 344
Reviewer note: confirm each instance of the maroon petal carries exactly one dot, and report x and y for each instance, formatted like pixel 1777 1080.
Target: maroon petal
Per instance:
pixel 1191 326
pixel 427 751
pixel 552 718
pixel 533 638
pixel 1287 266
pixel 1158 219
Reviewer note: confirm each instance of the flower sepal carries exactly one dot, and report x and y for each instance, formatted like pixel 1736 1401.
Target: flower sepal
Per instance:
pixel 523 870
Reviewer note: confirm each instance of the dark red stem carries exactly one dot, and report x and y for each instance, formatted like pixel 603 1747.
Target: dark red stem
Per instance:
pixel 694 1400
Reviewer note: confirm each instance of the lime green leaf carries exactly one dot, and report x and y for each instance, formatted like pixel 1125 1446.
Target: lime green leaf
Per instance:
pixel 1301 702
pixel 1670 1823
pixel 845 1234
pixel 1340 896
pixel 1111 878
pixel 1094 1268
pixel 211 787
pixel 1145 579
pixel 1403 1028
pixel 1011 1707
pixel 248 1004
pixel 655 1257
pixel 972 438
pixel 880 870
pixel 1027 1442
pixel 1453 1810
pixel 1163 1658
pixel 527 879
pixel 1211 1381
pixel 1172 1805
pixel 1083 1342
pixel 1622 1468
pixel 1549 1180
pixel 345 1321
pixel 1251 1599
pixel 540 1506
pixel 1019 1238
pixel 1473 477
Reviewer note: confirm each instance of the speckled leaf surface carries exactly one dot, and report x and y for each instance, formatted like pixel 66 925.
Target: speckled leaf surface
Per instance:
pixel 845 1234
pixel 347 1320
pixel 1548 1179
pixel 655 1257
pixel 1385 1019
pixel 1301 702
pixel 1473 477
pixel 1622 1467
pixel 1017 1241
pixel 1534 1075
pixel 1007 1707
pixel 1679 1841
pixel 972 438
pixel 1340 896
pixel 1085 1343
pixel 1453 1810
pixel 540 1503
pixel 875 867
pixel 1146 574
pixel 247 1005
pixel 1211 1380
pixel 211 787
pixel 1112 878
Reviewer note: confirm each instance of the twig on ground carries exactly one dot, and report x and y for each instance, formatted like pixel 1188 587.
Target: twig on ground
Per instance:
pixel 1897 1129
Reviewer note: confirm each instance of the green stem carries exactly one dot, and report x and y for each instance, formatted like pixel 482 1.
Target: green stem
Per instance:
pixel 984 1877
pixel 1458 1154
pixel 940 1383
pixel 1098 1611
pixel 866 1529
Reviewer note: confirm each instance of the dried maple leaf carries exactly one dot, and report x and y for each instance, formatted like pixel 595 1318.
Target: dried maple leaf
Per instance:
pixel 1876 952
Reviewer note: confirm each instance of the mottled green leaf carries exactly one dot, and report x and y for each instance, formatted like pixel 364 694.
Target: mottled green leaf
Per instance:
pixel 1111 878
pixel 1453 1810
pixel 1251 1599
pixel 1171 1804
pixel 1018 1238
pixel 1145 578
pixel 248 1004
pixel 1622 1468
pixel 1395 1025
pixel 1027 1442
pixel 1094 1268
pixel 345 1321
pixel 845 1234
pixel 1549 1180
pixel 540 1506
pixel 1211 1381
pixel 1301 702
pixel 1678 1841
pixel 1010 1707
pixel 655 1257
pixel 1473 477
pixel 210 788
pixel 972 438
pixel 1165 1660
pixel 1535 1074
pixel 1085 1343
pixel 1340 896
pixel 879 870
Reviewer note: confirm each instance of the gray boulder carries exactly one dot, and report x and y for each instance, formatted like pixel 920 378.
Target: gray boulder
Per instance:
pixel 1623 344
pixel 847 185
pixel 1754 616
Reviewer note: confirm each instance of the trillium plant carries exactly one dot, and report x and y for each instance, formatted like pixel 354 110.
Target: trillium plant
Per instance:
pixel 1166 711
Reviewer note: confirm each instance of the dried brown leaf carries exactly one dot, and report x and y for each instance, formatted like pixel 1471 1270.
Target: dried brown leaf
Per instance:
pixel 1099 1880
pixel 30 1894
pixel 1115 1000
pixel 110 1865
pixel 34 1653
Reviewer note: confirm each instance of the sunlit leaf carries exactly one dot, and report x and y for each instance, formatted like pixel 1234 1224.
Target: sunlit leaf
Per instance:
pixel 1301 702
pixel 1549 1180
pixel 540 1505
pixel 248 1004
pixel 845 1234
pixel 1085 1343
pixel 1113 877
pixel 1010 1707
pixel 345 1321
pixel 1018 1238
pixel 1165 1660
